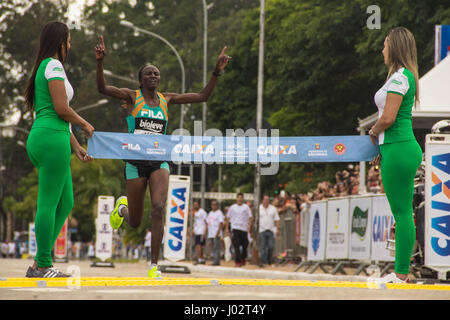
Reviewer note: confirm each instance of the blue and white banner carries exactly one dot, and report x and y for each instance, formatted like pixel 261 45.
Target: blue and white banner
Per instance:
pixel 219 149
pixel 437 202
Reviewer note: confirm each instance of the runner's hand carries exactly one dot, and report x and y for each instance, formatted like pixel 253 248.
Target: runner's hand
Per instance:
pixel 222 61
pixel 100 49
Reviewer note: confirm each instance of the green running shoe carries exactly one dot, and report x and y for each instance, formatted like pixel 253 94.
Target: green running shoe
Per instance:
pixel 154 272
pixel 114 218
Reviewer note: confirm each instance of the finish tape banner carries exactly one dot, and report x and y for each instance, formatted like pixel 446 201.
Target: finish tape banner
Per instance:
pixel 219 149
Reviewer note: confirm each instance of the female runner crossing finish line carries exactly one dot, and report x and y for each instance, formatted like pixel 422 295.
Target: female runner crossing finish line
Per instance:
pixel 148 114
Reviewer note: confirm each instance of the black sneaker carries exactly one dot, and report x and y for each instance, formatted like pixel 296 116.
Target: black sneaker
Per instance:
pixel 50 272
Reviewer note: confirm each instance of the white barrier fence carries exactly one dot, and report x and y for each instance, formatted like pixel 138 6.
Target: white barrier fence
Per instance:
pixel 349 229
pixel 354 228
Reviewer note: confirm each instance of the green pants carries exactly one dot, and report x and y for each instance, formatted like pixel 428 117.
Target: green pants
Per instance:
pixel 49 151
pixel 399 164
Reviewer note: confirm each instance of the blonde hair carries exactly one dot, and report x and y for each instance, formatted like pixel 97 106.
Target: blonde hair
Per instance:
pixel 402 52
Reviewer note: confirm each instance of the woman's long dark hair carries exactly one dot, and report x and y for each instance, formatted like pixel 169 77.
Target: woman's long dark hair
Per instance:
pixel 53 39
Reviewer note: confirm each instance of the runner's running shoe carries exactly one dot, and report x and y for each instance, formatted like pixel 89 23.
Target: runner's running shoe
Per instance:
pixel 115 219
pixel 154 272
pixel 50 272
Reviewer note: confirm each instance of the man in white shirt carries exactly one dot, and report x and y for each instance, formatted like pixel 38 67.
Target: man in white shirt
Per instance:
pixel 200 216
pixel 215 225
pixel 148 243
pixel 11 249
pixel 240 219
pixel 304 219
pixel 269 225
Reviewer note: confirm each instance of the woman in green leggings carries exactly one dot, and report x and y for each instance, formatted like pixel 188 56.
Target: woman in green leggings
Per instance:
pixel 401 155
pixel 49 143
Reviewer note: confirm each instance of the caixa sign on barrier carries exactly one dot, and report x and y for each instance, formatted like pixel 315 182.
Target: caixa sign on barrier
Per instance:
pixel 437 197
pixel 176 218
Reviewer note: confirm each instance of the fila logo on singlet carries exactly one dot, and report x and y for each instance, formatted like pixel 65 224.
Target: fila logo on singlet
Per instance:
pixel 150 114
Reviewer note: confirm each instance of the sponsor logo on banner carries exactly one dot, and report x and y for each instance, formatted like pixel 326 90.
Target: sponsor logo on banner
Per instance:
pixel 440 204
pixel 316 232
pixel 277 149
pixel 382 228
pixel 155 149
pixel 317 152
pixel 194 149
pixel 104 229
pixel 130 146
pixel 234 150
pixel 359 222
pixel 337 237
pixel 177 216
pixel 339 149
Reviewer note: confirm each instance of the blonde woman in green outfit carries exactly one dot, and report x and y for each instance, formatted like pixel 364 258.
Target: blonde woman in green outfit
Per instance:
pixel 401 155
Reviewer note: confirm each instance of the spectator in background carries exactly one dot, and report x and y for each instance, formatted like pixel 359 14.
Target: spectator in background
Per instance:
pixel 91 250
pixel 215 222
pixel 239 220
pixel 269 226
pixel 374 179
pixel 305 202
pixel 136 252
pixel 200 216
pixel 11 249
pixel 293 204
pixel 148 243
pixel 342 189
pixel 5 249
pixel 227 240
pixel 354 185
pixel 276 202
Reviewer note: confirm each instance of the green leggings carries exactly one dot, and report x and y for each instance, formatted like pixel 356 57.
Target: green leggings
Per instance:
pixel 49 151
pixel 399 163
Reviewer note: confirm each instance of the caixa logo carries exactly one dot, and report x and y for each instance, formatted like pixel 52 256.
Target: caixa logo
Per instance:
pixel 277 149
pixel 176 224
pixel 130 146
pixel 194 149
pixel 382 228
pixel 440 204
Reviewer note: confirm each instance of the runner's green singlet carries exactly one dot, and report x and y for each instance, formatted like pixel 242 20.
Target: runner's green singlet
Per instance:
pixel 146 120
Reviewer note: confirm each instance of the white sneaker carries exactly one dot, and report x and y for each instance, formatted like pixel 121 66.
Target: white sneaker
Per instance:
pixel 390 278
